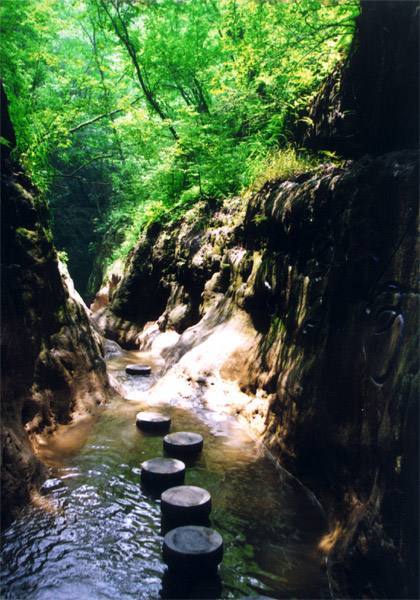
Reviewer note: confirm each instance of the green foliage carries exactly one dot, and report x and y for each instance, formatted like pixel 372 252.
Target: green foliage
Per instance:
pixel 63 256
pixel 280 164
pixel 145 107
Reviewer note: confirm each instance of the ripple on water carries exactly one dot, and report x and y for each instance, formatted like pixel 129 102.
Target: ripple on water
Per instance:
pixel 103 539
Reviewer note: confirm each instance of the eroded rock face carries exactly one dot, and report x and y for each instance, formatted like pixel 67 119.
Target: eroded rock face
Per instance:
pixel 322 270
pixel 165 275
pixel 340 355
pixel 52 365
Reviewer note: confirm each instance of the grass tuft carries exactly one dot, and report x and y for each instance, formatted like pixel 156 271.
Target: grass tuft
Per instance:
pixel 281 164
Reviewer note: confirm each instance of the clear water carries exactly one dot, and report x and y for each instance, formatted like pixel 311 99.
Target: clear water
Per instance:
pixel 101 537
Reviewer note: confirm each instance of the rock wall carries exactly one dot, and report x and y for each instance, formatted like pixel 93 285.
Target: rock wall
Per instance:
pixel 322 270
pixel 371 103
pixel 52 366
pixel 339 360
pixel 304 297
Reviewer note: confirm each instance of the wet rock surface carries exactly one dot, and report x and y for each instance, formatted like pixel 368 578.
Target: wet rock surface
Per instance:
pixel 193 547
pixel 183 443
pixel 186 502
pixel 153 422
pixel 52 359
pixel 138 370
pixel 162 473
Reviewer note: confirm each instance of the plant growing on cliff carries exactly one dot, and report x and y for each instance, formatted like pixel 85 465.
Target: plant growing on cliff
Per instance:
pixel 281 164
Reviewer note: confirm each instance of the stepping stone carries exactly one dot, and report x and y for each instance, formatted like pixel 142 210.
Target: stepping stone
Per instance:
pixel 162 472
pixel 152 421
pixel 186 502
pixel 193 547
pixel 183 443
pixel 179 584
pixel 138 369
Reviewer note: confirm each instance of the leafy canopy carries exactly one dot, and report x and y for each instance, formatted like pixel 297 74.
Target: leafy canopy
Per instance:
pixel 144 106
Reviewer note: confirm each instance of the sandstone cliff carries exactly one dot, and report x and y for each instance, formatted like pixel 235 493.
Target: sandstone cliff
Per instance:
pixel 52 364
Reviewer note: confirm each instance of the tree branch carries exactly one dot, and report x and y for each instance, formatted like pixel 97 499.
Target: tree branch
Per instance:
pixel 102 116
pixel 121 31
pixel 97 118
pixel 73 173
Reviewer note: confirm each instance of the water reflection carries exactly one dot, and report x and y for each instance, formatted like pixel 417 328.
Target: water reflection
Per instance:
pixel 103 538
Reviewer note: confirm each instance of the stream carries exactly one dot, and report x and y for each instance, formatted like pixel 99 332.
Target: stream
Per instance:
pixel 101 538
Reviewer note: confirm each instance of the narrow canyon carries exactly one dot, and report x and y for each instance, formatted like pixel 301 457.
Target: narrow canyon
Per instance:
pixel 285 319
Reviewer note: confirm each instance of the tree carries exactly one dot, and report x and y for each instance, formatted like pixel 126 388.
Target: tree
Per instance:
pixel 142 107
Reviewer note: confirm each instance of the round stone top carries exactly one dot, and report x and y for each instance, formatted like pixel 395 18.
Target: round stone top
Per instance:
pixel 193 540
pixel 152 417
pixel 163 466
pixel 183 438
pixel 138 369
pixel 186 496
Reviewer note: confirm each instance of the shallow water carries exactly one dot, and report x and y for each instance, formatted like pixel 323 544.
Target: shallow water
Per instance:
pixel 102 536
